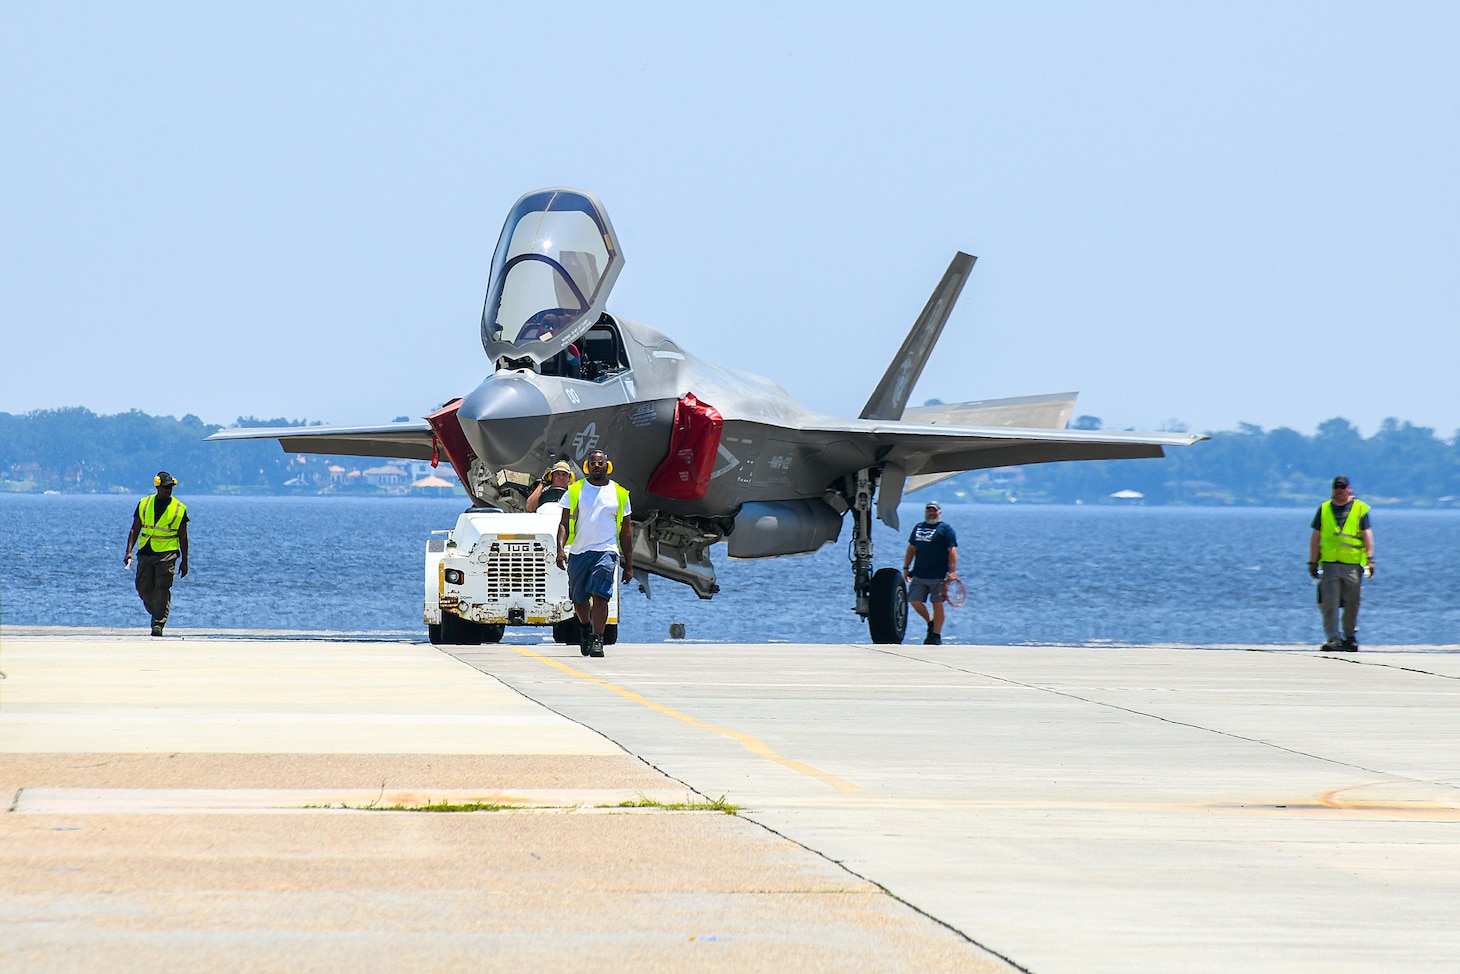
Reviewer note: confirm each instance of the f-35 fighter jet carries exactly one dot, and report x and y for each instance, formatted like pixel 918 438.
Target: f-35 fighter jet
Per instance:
pixel 707 453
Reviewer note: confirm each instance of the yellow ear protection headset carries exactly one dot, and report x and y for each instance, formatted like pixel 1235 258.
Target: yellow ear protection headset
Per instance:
pixel 157 482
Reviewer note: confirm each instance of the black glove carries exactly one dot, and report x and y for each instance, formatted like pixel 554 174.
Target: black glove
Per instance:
pixel 1313 568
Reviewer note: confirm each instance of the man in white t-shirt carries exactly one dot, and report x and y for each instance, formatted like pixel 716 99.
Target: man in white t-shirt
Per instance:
pixel 596 524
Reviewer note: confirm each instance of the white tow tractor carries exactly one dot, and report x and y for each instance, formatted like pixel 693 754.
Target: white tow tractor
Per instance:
pixel 497 569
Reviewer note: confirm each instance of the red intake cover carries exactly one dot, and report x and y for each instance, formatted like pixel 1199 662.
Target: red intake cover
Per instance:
pixel 685 473
pixel 449 435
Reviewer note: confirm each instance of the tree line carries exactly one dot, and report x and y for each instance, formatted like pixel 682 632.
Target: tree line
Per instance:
pixel 1401 464
pixel 74 449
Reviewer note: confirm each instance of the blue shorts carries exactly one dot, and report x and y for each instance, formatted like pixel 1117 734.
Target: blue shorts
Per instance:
pixel 921 588
pixel 591 573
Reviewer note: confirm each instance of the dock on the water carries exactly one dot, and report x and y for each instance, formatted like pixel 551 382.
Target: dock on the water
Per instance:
pixel 236 801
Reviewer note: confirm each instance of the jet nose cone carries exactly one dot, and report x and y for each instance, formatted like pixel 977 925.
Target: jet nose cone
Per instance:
pixel 504 418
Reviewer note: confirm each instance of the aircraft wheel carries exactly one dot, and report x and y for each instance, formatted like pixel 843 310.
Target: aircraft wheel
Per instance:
pixel 433 633
pixel 492 632
pixel 567 632
pixel 610 633
pixel 888 617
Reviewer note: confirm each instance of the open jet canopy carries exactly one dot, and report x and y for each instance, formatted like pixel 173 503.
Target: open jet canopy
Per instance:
pixel 554 265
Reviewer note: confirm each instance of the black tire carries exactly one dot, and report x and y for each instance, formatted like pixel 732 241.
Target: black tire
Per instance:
pixel 610 633
pixel 568 631
pixel 433 633
pixel 492 632
pixel 456 631
pixel 887 619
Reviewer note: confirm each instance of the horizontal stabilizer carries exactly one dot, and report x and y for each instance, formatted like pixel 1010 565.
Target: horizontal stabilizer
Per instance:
pixel 889 399
pixel 1029 412
pixel 1050 412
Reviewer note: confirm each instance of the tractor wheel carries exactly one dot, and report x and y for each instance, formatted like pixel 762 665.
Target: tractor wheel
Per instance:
pixel 456 631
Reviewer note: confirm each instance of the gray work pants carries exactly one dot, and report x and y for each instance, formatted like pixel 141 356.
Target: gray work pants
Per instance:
pixel 154 583
pixel 1340 584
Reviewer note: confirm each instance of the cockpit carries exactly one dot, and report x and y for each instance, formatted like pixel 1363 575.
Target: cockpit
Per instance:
pixel 597 355
pixel 554 265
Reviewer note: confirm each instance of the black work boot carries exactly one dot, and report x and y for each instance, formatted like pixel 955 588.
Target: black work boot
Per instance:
pixel 1350 644
pixel 157 627
pixel 585 639
pixel 595 648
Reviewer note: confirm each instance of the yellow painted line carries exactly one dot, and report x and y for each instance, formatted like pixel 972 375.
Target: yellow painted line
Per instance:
pixel 752 744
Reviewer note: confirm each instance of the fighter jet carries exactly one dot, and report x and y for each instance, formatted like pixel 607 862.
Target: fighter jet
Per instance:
pixel 708 454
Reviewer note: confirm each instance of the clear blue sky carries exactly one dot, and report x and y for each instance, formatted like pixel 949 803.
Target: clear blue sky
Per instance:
pixel 1205 213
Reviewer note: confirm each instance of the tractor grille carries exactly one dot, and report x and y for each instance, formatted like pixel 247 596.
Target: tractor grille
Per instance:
pixel 517 574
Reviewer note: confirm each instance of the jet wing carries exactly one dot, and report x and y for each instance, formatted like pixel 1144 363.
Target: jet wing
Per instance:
pixel 927 448
pixel 408 441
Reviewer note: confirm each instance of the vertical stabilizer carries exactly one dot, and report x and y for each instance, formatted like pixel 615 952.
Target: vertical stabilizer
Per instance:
pixel 890 397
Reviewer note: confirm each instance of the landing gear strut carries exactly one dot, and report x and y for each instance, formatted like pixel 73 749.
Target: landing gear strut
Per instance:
pixel 881 597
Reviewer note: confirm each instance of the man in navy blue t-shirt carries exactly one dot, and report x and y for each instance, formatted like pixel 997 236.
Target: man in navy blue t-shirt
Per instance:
pixel 931 559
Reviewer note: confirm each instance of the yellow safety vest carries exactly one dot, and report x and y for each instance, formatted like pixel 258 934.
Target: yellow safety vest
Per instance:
pixel 162 537
pixel 1346 544
pixel 575 490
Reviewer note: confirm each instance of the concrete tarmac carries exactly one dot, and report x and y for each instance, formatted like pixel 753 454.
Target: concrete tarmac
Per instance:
pixel 1051 809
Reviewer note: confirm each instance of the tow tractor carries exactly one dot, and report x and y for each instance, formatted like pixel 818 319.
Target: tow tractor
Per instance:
pixel 497 569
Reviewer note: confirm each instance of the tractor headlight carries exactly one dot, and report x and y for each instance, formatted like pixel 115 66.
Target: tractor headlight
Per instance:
pixel 454 576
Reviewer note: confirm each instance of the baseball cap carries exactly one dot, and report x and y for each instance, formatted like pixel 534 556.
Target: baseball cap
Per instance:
pixel 1340 481
pixel 562 465
pixel 934 505
pixel 164 479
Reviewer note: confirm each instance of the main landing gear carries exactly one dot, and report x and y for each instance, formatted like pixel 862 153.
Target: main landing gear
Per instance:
pixel 881 595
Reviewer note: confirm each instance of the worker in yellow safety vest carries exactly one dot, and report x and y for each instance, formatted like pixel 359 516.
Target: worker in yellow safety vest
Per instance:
pixel 161 522
pixel 1341 556
pixel 595 523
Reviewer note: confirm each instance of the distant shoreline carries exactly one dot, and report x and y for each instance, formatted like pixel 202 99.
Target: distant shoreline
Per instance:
pixel 906 506
pixel 23 490
pixel 73 450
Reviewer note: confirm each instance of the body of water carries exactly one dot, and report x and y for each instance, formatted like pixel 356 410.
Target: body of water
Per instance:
pixel 1068 575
